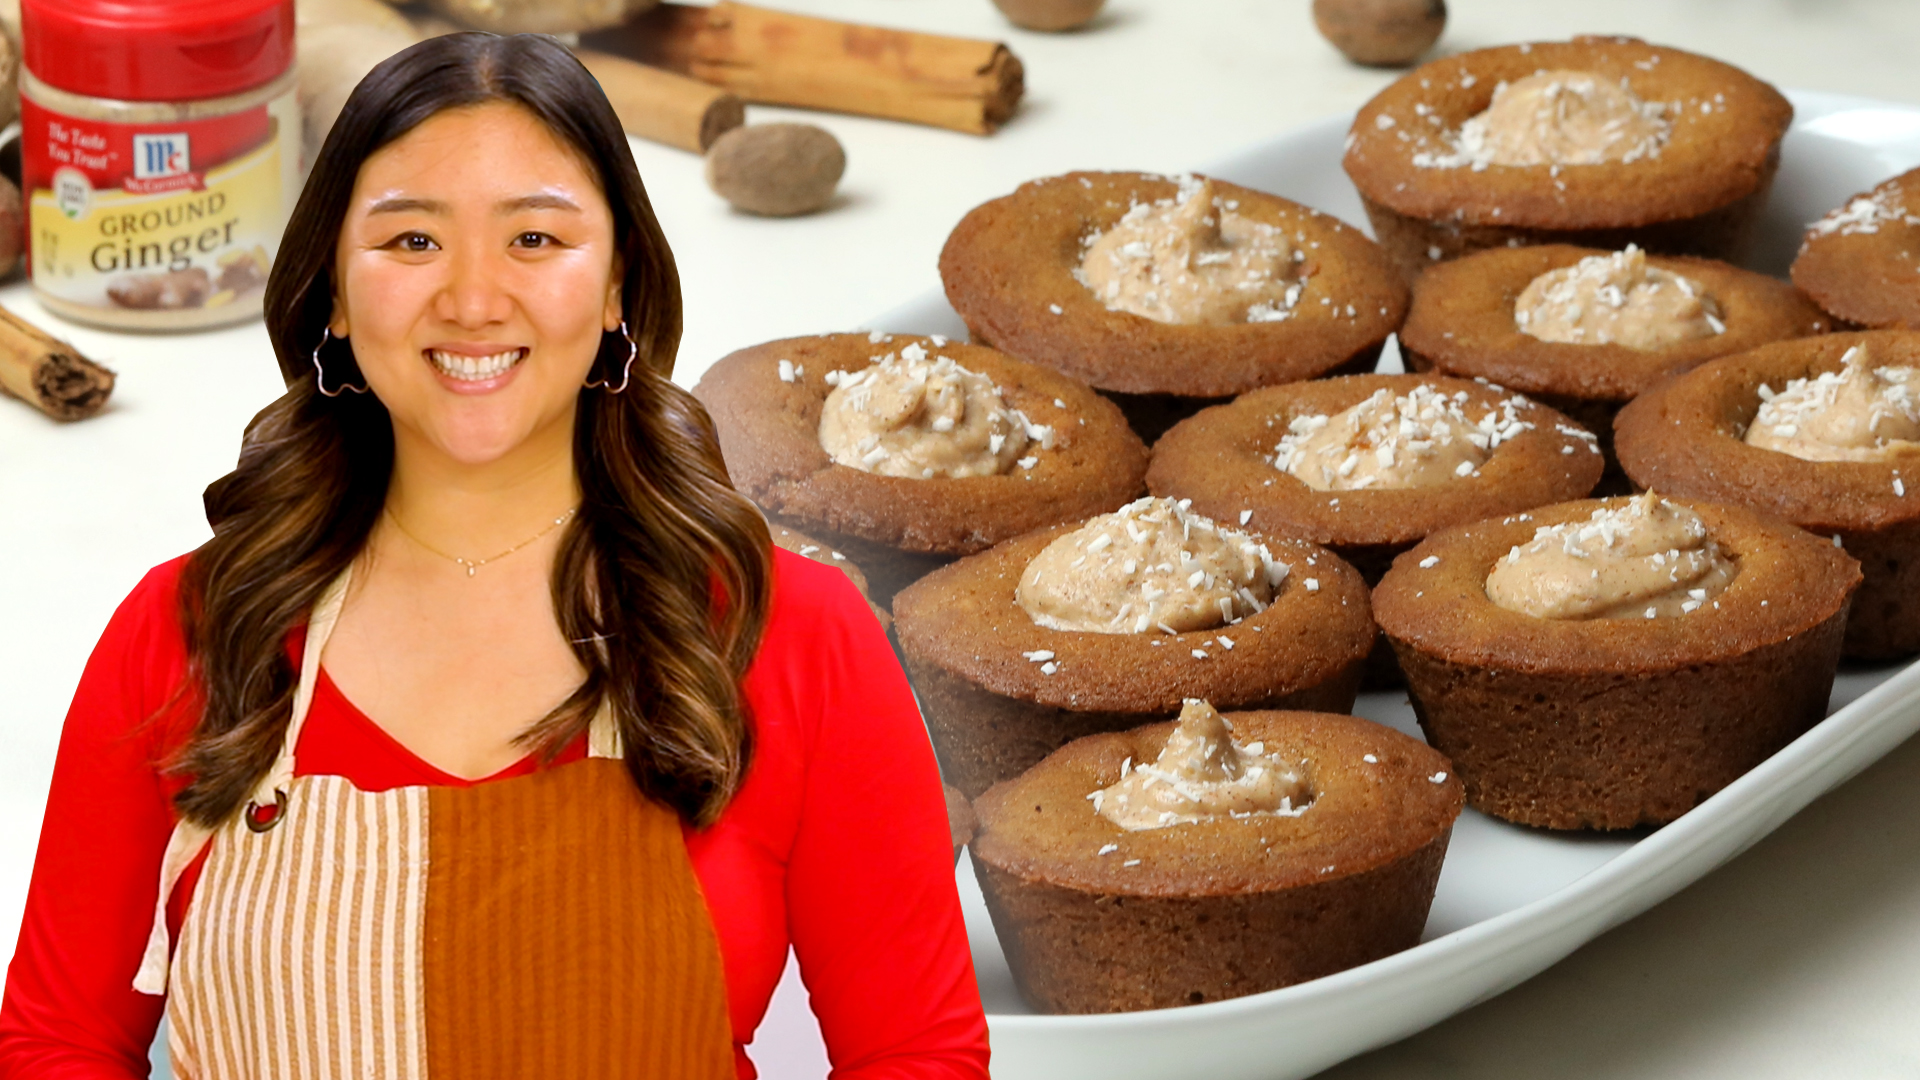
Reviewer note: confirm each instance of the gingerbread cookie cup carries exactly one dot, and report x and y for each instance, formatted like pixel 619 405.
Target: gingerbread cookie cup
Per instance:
pixel 1224 460
pixel 1609 723
pixel 1463 323
pixel 1694 186
pixel 1096 918
pixel 961 820
pixel 766 403
pixel 1862 261
pixel 1686 438
pixel 999 691
pixel 1009 270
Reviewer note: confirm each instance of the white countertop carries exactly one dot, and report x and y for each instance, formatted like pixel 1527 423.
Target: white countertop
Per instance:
pixel 1795 960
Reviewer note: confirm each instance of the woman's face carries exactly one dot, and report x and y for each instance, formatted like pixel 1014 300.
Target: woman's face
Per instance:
pixel 474 275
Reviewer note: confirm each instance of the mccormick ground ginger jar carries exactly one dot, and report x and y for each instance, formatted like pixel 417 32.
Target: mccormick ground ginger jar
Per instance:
pixel 160 152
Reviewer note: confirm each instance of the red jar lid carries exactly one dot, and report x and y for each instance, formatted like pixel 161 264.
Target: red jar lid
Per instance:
pixel 156 50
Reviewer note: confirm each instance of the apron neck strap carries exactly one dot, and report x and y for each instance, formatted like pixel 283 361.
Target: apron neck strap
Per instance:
pixel 326 613
pixel 603 734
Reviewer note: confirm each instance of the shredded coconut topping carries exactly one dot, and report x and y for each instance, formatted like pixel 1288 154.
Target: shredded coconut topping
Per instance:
pixel 1203 773
pixel 1644 559
pixel 921 416
pixel 1859 413
pixel 1152 564
pixel 1617 299
pixel 1556 118
pixel 1415 439
pixel 1865 214
pixel 1191 259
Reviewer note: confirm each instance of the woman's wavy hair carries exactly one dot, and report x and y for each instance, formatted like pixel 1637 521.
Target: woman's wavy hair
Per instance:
pixel 662 579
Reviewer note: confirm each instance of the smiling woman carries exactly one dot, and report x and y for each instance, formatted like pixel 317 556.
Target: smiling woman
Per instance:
pixel 488 736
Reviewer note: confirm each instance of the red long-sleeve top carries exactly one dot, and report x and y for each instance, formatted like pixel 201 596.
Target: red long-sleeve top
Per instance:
pixel 837 843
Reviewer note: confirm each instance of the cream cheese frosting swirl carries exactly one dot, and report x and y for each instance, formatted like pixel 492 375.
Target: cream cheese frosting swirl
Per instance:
pixel 1646 559
pixel 920 416
pixel 1859 413
pixel 1417 439
pixel 1565 118
pixel 1202 774
pixel 1617 299
pixel 1152 565
pixel 1191 259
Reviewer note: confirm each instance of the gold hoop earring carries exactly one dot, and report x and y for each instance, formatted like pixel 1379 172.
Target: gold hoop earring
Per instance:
pixel 320 373
pixel 626 373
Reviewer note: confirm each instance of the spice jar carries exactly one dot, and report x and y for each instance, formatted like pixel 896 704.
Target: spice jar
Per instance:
pixel 160 156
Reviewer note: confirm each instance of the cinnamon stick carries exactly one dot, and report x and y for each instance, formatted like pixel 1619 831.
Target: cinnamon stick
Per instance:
pixel 664 106
pixel 48 373
pixel 778 58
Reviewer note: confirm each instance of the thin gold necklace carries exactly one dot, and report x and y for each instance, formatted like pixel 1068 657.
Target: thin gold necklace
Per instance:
pixel 472 565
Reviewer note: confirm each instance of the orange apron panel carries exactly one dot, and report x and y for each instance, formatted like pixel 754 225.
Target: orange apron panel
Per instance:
pixel 565 934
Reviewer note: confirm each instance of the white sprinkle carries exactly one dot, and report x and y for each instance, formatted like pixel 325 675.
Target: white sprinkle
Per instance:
pixel 1429 562
pixel 1245 515
pixel 878 338
pixel 1109 849
pixel 787 371
pixel 1049 668
pixel 1899 487
pixel 1055 308
pixel 1370 759
pixel 1131 862
pixel 1199 654
pixel 1312 584
pixel 1227 644
pixel 1437 777
pixel 1027 462
pixel 1038 655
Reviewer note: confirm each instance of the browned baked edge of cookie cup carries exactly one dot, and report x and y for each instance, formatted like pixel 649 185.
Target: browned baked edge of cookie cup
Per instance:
pixel 1700 195
pixel 898 528
pixel 1223 459
pixel 1000 692
pixel 1008 268
pixel 962 822
pixel 1862 261
pixel 1094 918
pixel 809 548
pixel 1684 438
pixel 1614 723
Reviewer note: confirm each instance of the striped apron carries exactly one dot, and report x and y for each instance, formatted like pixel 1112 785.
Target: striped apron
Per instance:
pixel 545 925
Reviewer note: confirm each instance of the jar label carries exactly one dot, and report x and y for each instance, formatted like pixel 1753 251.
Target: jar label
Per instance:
pixel 166 216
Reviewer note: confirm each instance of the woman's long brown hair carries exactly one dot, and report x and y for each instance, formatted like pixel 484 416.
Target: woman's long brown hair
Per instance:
pixel 662 579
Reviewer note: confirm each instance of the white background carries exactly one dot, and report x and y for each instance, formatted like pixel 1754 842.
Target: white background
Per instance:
pixel 1799 959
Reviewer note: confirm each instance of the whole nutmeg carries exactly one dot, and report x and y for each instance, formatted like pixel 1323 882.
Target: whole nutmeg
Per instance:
pixel 1049 14
pixel 1381 33
pixel 778 170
